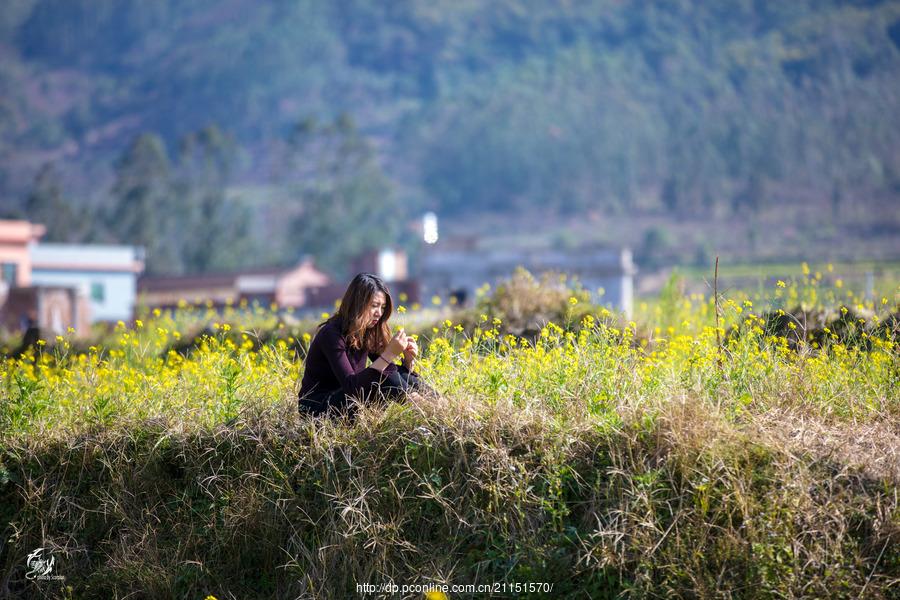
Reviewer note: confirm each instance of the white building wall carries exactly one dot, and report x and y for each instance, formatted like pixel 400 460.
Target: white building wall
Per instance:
pixel 105 274
pixel 119 290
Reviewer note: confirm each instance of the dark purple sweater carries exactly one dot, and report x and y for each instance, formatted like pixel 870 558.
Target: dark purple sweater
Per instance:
pixel 331 365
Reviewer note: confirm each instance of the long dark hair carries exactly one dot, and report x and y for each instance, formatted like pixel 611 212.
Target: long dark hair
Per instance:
pixel 354 318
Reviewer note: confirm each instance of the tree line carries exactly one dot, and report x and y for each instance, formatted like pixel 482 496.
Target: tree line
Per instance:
pixel 334 202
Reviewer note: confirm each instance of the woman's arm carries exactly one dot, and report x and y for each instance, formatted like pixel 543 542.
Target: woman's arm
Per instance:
pixel 383 361
pixel 335 349
pixel 396 346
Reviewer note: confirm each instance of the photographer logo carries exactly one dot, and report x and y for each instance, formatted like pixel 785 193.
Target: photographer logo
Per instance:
pixel 40 566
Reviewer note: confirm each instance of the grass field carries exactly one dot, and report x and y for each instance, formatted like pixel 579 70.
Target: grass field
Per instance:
pixel 670 456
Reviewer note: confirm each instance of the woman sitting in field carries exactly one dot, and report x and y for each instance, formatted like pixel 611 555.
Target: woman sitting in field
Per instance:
pixel 336 374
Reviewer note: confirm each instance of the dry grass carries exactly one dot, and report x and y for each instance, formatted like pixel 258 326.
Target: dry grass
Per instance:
pixel 678 501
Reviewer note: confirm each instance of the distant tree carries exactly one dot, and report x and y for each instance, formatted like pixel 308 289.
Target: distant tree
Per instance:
pixel 703 256
pixel 655 247
pixel 144 207
pixel 752 196
pixel 752 232
pixel 837 200
pixel 347 203
pixel 669 196
pixel 215 229
pixel 47 205
pixel 208 155
pixel 756 192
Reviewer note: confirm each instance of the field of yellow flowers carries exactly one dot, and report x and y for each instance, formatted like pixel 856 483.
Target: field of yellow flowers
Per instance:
pixel 740 446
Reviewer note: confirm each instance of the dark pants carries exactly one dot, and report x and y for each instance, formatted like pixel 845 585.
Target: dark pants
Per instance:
pixel 393 386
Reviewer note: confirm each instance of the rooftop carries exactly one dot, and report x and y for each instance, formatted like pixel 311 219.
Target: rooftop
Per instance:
pixel 20 232
pixel 100 257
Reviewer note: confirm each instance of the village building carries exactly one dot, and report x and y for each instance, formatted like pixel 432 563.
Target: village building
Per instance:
pixel 286 288
pixel 459 270
pixel 303 287
pixel 16 240
pixel 51 310
pixel 29 305
pixel 105 274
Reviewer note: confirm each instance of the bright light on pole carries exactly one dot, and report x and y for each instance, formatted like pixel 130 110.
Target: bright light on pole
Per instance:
pixel 429 228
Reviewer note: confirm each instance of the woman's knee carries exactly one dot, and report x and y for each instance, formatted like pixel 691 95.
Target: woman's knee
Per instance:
pixel 333 403
pixel 414 383
pixel 308 405
pixel 392 387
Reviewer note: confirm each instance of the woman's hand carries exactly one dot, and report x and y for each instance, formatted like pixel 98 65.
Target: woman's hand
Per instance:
pixel 397 345
pixel 410 353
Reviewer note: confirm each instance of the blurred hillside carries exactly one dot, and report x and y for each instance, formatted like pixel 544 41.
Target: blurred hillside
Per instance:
pixel 776 120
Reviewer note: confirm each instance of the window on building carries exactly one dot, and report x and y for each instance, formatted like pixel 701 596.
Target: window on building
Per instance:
pixel 8 272
pixel 98 292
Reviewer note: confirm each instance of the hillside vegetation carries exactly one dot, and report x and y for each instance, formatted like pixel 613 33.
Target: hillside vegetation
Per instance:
pixel 680 108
